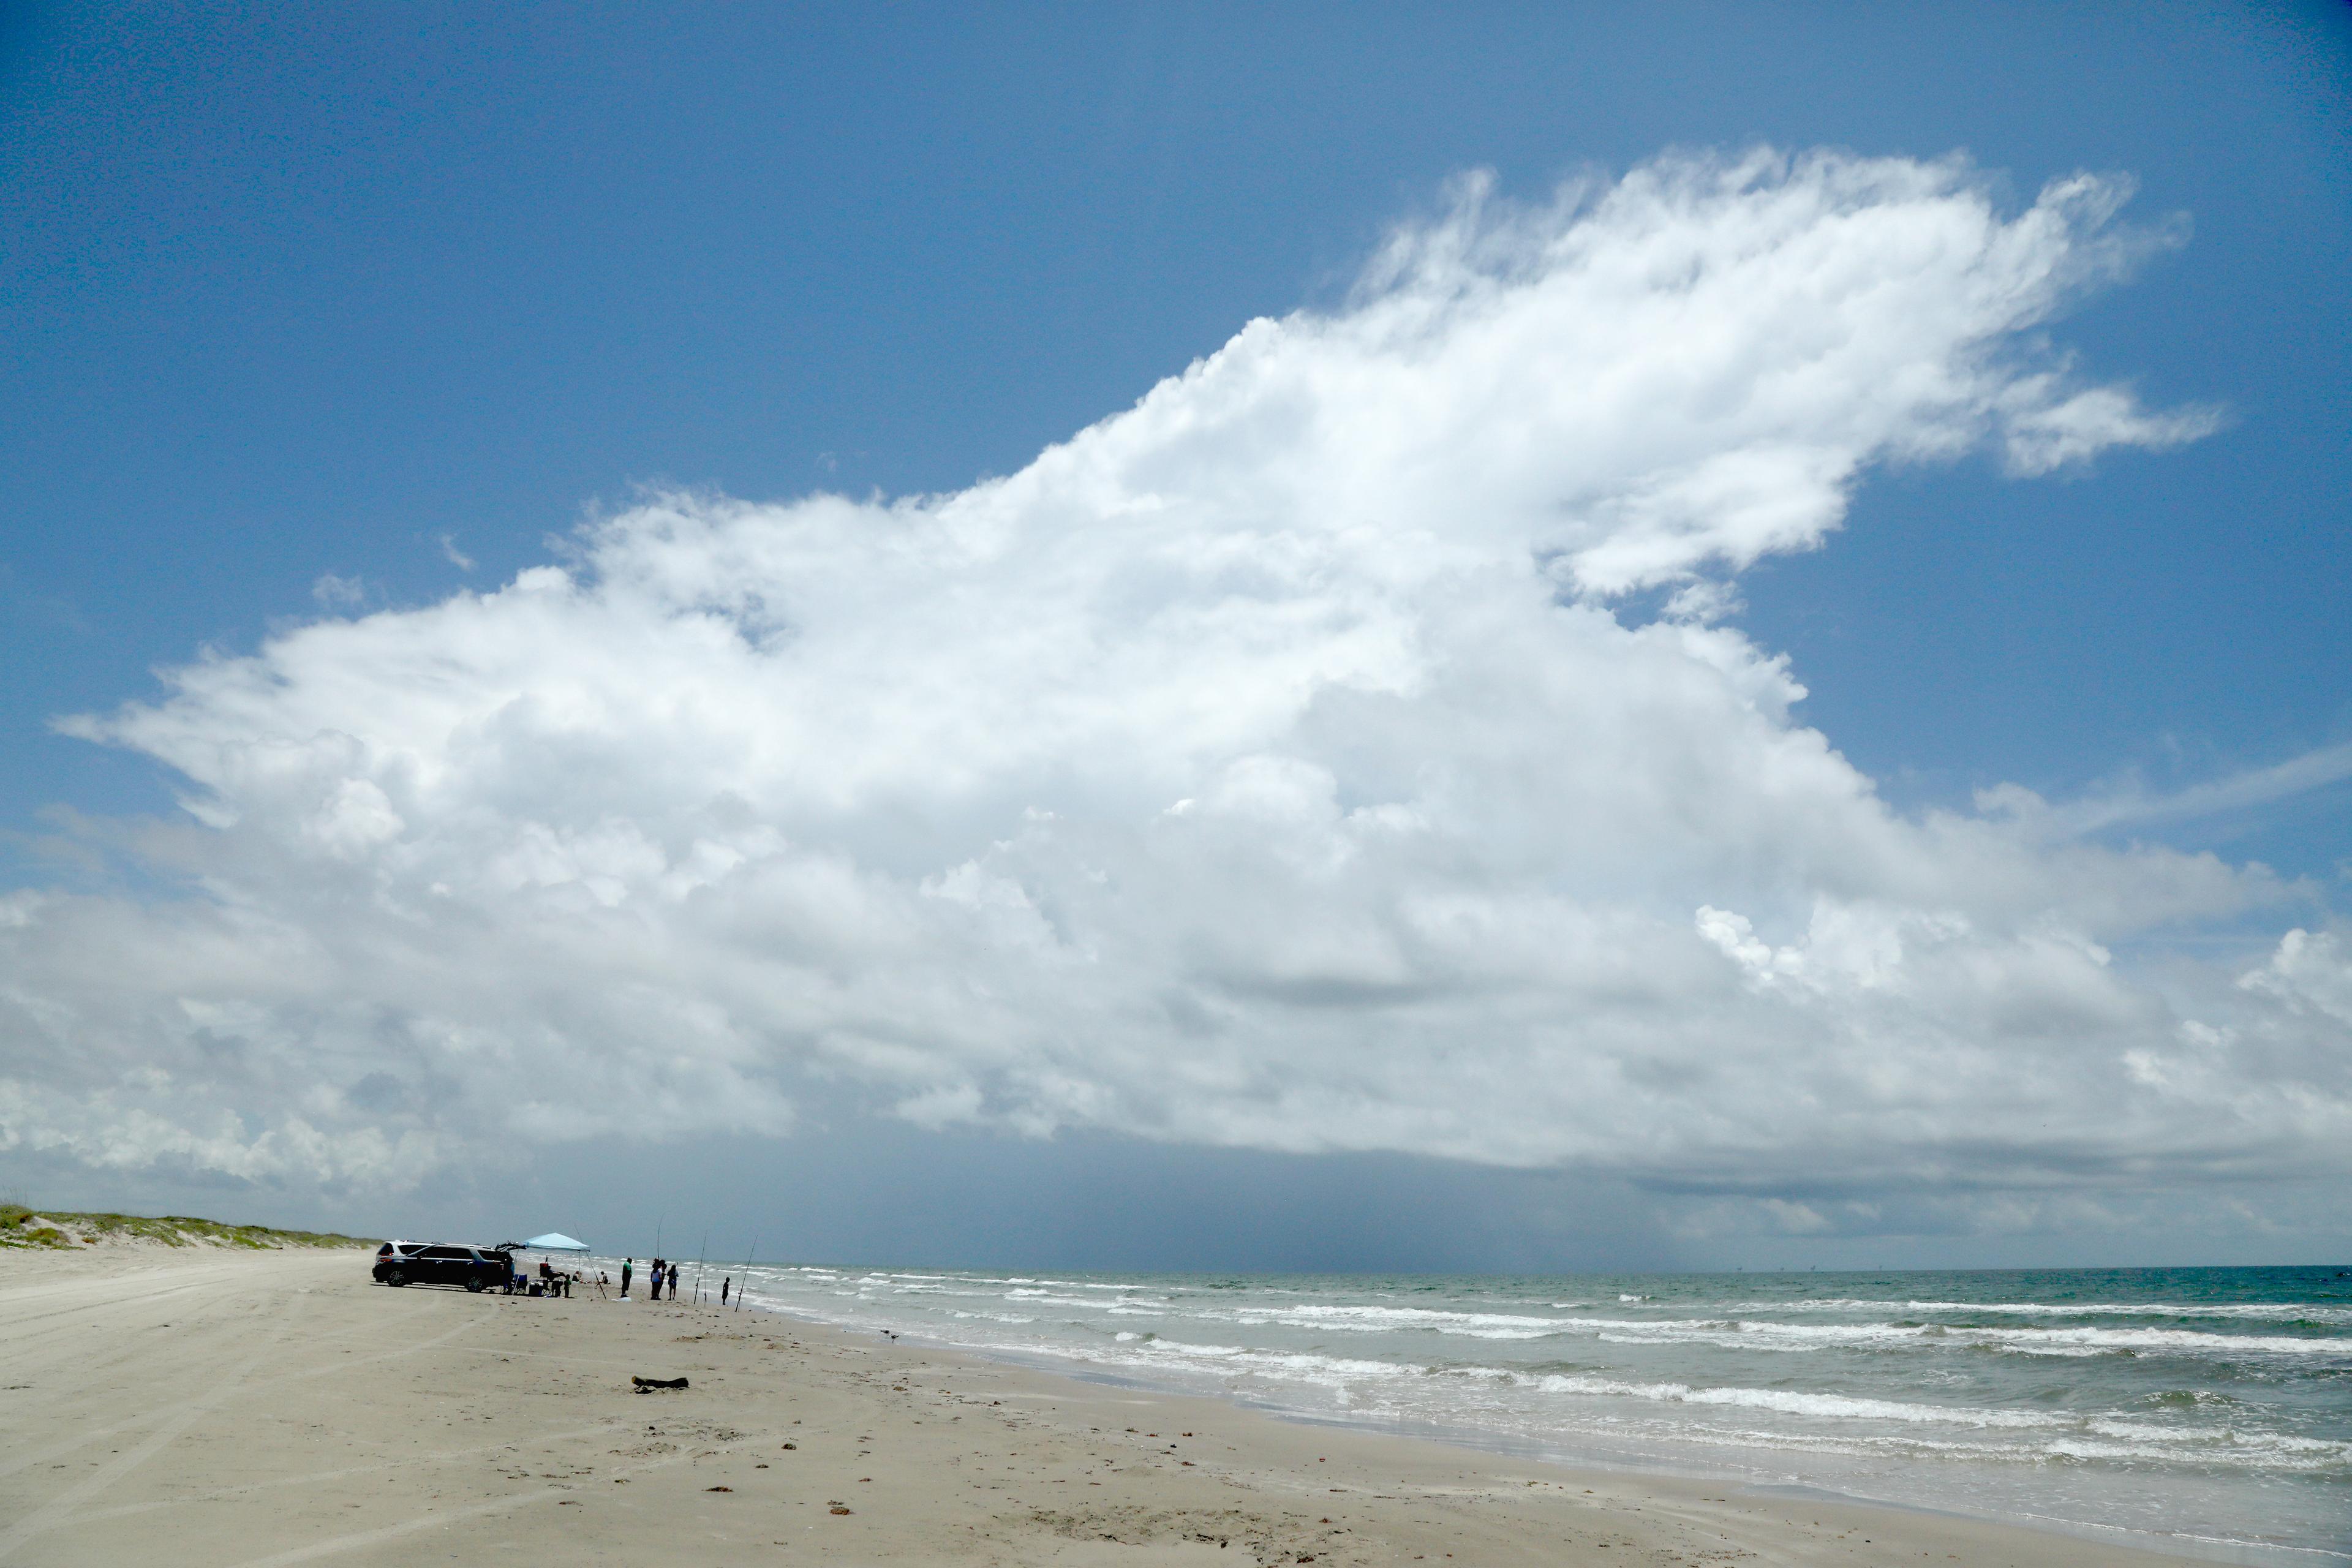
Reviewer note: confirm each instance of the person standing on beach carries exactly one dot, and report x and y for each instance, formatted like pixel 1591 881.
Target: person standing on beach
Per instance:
pixel 722 1289
pixel 673 1282
pixel 628 1267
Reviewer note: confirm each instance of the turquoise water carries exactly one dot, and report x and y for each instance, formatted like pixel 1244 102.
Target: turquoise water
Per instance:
pixel 2205 1410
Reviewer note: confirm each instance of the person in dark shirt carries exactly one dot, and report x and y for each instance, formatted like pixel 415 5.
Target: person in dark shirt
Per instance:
pixel 628 1267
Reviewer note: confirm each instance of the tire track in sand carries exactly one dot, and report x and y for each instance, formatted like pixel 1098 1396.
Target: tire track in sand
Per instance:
pixel 58 1509
pixel 359 1540
pixel 58 1450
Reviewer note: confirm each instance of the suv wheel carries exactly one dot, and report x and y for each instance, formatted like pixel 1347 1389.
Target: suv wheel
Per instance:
pixel 395 1276
pixel 474 1284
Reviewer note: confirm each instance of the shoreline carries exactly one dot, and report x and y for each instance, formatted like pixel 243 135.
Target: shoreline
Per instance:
pixel 2173 1548
pixel 252 1409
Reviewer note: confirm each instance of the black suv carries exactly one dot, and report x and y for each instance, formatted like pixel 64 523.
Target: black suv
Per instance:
pixel 418 1263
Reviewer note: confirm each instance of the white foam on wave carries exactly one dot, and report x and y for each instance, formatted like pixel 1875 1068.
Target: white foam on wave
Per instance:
pixel 1791 1402
pixel 1392 1316
pixel 1360 1320
pixel 1743 1333
pixel 1032 1279
pixel 2085 1437
pixel 1331 1372
pixel 2253 1311
pixel 2190 1339
pixel 2251 1456
pixel 2323 1449
pixel 1034 1298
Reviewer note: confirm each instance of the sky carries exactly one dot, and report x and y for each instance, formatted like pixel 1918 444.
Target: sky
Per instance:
pixel 1350 637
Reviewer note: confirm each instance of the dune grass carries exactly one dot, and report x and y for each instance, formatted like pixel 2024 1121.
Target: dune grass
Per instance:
pixel 22 1226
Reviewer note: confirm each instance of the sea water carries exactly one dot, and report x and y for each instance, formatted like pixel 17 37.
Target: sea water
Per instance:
pixel 2206 1411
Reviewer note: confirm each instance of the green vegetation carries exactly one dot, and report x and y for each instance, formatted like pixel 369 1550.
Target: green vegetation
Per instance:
pixel 21 1226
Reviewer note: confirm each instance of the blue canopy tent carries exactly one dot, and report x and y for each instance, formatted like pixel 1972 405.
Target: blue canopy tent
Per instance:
pixel 557 1242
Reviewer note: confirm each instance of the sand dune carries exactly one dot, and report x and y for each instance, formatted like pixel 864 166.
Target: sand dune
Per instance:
pixel 277 1408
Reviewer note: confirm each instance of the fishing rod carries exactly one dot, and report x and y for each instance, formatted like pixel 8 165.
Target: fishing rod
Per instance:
pixel 698 1263
pixel 747 1272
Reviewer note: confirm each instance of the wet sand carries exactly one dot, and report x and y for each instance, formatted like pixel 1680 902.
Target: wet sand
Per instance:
pixel 201 1407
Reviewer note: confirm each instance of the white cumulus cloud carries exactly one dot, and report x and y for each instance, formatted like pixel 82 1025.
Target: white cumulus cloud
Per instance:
pixel 1277 763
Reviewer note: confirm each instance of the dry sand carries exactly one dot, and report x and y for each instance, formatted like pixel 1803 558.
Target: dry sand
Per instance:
pixel 194 1408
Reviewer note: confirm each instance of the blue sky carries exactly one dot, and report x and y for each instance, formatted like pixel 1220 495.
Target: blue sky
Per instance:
pixel 390 297
pixel 300 291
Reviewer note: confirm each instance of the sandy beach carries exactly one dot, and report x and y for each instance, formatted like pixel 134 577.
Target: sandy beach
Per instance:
pixel 205 1407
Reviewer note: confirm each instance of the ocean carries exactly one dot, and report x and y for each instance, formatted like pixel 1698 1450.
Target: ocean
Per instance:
pixel 2205 1411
